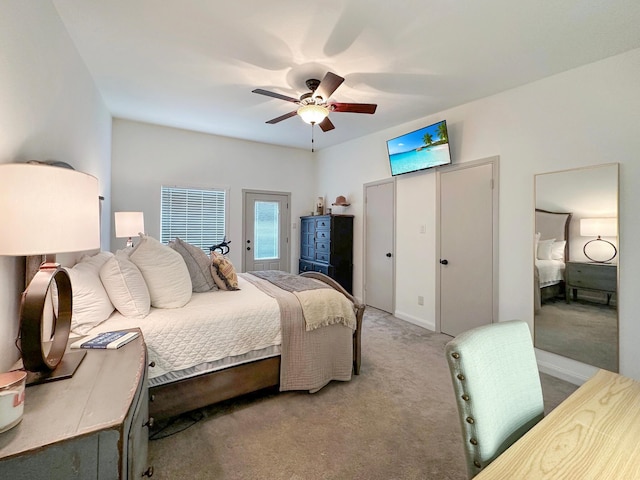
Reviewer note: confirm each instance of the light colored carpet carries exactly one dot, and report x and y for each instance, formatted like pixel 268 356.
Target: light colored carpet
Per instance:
pixel 584 331
pixel 396 420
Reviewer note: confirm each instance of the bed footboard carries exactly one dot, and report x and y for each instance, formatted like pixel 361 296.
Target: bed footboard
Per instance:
pixel 359 308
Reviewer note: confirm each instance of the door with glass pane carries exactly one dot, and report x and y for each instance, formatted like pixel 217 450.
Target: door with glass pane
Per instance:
pixel 266 234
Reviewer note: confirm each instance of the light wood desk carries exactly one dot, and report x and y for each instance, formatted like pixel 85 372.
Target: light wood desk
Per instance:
pixel 593 434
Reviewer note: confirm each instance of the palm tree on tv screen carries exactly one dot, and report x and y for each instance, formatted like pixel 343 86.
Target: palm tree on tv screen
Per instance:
pixel 442 132
pixel 428 139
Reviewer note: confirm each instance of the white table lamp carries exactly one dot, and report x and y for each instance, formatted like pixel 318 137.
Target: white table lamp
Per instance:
pixel 45 210
pixel 128 225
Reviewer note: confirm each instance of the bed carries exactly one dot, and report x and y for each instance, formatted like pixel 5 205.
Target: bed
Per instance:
pixel 551 252
pixel 274 329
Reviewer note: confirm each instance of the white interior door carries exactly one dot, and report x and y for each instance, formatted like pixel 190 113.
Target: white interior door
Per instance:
pixel 468 260
pixel 379 285
pixel 266 238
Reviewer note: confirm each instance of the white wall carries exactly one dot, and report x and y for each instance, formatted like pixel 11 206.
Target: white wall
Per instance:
pixel 585 116
pixel 51 110
pixel 145 157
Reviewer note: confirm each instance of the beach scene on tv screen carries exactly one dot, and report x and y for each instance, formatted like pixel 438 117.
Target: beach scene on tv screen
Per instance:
pixel 424 148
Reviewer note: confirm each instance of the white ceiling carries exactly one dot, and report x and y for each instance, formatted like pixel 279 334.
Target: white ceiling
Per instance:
pixel 193 63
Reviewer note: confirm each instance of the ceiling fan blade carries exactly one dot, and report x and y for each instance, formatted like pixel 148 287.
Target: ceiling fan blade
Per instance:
pixel 354 107
pixel 275 95
pixel 326 125
pixel 328 85
pixel 283 117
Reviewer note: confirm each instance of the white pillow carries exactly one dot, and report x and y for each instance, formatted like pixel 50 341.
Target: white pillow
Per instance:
pixel 164 272
pixel 557 250
pixel 91 305
pixel 544 249
pixel 125 286
pixel 95 262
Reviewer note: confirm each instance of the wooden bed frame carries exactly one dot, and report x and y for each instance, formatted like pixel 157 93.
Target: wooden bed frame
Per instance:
pixel 171 399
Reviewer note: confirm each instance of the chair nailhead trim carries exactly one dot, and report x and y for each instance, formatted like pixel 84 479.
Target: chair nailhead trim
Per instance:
pixel 465 397
pixel 460 376
pixel 455 355
pixel 477 463
pixel 470 420
pixel 473 441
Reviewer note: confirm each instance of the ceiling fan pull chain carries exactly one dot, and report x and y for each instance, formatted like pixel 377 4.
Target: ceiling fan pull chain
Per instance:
pixel 312 125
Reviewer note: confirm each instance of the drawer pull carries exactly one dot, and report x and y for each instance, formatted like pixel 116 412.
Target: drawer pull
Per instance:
pixel 152 364
pixel 149 423
pixel 148 472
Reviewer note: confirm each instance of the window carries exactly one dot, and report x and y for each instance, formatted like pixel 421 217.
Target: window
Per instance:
pixel 197 216
pixel 266 229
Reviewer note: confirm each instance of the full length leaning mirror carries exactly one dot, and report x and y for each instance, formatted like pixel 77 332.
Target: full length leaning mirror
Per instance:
pixel 576 264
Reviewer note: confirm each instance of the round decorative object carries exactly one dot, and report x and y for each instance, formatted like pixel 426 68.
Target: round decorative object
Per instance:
pixel 34 357
pixel 602 251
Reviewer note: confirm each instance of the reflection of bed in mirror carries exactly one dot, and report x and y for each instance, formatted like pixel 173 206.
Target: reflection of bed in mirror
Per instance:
pixel 551 253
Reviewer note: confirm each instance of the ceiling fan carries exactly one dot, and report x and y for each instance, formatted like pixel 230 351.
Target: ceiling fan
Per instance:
pixel 314 106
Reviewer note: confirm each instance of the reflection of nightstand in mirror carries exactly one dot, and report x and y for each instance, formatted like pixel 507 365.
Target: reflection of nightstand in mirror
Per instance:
pixel 600 277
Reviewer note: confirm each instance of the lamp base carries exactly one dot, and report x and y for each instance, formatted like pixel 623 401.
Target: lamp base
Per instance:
pixel 65 369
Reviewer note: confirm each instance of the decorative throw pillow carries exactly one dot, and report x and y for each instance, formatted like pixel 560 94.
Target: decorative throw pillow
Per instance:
pixel 125 286
pixel 224 269
pixel 544 249
pixel 198 264
pixel 164 272
pixel 91 305
pixel 216 278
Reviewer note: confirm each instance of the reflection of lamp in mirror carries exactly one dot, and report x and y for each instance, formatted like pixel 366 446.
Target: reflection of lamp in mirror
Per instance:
pixel 129 224
pixel 599 227
pixel 45 210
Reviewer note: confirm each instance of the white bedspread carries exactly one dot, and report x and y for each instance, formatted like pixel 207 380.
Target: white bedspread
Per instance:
pixel 550 272
pixel 212 326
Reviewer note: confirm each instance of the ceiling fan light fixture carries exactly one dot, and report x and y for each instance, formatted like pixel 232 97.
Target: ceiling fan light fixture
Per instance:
pixel 313 114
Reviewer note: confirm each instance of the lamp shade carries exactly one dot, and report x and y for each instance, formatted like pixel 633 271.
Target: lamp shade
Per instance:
pixel 599 227
pixel 129 224
pixel 313 113
pixel 47 210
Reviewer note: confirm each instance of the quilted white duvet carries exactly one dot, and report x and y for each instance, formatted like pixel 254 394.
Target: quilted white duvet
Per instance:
pixel 212 326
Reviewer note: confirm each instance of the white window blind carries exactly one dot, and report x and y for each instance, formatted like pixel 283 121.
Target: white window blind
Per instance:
pixel 197 216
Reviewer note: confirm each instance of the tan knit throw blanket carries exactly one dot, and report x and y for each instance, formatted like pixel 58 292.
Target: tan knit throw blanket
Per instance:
pixel 326 307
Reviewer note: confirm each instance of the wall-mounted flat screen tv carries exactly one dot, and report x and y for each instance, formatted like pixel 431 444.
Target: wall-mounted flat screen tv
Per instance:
pixel 425 148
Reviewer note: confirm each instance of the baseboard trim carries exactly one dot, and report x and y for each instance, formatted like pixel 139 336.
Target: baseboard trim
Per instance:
pixel 415 320
pixel 566 374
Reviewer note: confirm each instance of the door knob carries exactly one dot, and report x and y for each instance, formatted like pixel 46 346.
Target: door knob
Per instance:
pixel 389 254
pixel 444 262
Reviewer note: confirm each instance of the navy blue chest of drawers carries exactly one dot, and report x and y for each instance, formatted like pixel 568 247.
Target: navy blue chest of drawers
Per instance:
pixel 326 246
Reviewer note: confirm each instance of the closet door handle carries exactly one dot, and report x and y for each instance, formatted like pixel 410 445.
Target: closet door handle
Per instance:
pixel 444 262
pixel 389 254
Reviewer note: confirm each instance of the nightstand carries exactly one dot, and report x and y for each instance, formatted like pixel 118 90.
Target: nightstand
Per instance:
pixel 91 426
pixel 601 277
